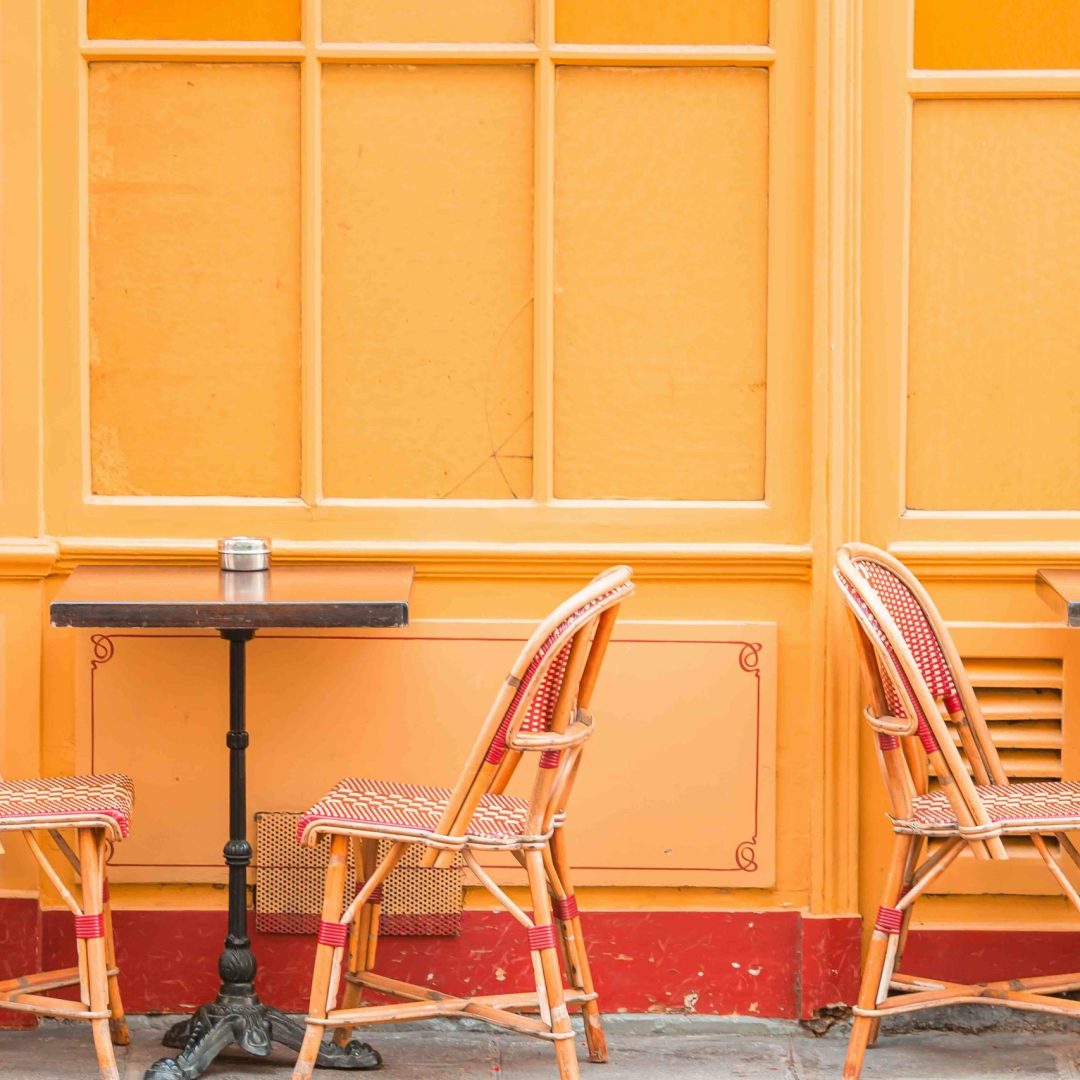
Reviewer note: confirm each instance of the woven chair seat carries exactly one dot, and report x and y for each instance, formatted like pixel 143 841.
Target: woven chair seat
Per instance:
pixel 387 808
pixel 1046 806
pixel 68 801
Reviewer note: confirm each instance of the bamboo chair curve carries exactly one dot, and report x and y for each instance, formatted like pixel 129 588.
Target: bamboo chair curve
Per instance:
pixel 541 709
pixel 98 809
pixel 926 719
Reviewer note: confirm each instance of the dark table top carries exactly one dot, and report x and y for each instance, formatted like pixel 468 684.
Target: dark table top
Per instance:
pixel 1061 590
pixel 371 594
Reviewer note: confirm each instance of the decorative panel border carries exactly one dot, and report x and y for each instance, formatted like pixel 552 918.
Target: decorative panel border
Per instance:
pixel 679 788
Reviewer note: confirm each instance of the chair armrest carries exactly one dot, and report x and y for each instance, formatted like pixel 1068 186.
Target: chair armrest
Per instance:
pixel 580 729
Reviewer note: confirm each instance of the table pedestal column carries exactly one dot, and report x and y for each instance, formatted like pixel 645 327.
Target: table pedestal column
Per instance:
pixel 237 1016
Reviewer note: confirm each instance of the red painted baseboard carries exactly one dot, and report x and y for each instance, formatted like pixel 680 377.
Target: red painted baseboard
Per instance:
pixel 772 963
pixel 20 950
pixel 969 956
pixel 782 964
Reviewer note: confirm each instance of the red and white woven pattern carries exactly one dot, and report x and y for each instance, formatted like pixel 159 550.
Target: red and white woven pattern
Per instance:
pixel 68 800
pixel 542 708
pixel 412 808
pixel 914 626
pixel 892 695
pixel 1047 804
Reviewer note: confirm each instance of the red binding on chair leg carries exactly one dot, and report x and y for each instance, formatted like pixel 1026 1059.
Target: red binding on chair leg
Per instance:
pixel 334 934
pixel 926 737
pixel 566 909
pixel 542 937
pixel 89 926
pixel 889 920
pixel 376 896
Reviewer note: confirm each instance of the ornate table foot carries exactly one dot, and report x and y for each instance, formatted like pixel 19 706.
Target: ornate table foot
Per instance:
pixel 289 1032
pixel 253 1027
pixel 207 1033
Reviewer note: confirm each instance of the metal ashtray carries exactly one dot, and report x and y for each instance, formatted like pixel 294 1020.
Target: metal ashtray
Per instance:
pixel 244 553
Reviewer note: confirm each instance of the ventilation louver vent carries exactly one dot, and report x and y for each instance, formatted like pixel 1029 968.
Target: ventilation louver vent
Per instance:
pixel 1021 699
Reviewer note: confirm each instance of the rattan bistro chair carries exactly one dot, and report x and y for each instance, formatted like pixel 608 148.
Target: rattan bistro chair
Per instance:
pixel 927 720
pixel 541 709
pixel 98 810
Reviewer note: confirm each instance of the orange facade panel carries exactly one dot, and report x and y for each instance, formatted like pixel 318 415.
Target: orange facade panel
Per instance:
pixel 194 279
pixel 659 22
pixel 997 34
pixel 427 20
pixel 992 376
pixel 268 20
pixel 427 281
pixel 661 231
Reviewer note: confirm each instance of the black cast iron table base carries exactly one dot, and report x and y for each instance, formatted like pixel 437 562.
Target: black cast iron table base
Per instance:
pixel 237 1015
pixel 252 1026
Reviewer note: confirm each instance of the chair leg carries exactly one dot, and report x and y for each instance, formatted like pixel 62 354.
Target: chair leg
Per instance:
pixel 323 975
pixel 360 943
pixel 864 1029
pixel 915 853
pixel 550 976
pixel 95 988
pixel 118 1027
pixel 1064 883
pixel 577 957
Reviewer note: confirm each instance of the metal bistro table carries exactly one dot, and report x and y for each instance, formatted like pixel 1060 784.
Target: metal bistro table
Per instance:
pixel 236 604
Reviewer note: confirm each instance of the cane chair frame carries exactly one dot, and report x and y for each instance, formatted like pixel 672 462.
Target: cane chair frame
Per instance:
pixel 908 746
pixel 96 974
pixel 576 635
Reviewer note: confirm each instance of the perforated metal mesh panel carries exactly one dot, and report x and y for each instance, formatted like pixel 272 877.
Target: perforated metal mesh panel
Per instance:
pixel 289 885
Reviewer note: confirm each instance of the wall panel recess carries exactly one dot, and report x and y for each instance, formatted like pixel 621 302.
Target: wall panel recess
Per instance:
pixel 993 382
pixel 998 34
pixel 427 281
pixel 377 704
pixel 661 230
pixel 427 20
pixel 194 238
pixel 660 22
pixel 266 20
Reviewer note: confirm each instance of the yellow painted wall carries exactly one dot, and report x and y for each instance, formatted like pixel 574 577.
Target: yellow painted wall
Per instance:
pixel 514 290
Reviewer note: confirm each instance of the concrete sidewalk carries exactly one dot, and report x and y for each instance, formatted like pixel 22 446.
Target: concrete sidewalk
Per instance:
pixel 642 1048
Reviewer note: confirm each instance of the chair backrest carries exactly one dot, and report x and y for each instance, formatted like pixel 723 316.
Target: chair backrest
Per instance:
pixel 542 707
pixel 917 683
